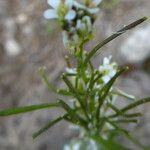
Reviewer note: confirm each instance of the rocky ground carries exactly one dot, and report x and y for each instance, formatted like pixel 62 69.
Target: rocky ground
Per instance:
pixel 26 43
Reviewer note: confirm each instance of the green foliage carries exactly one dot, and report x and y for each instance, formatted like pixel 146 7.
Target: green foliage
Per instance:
pixel 90 103
pixel 14 111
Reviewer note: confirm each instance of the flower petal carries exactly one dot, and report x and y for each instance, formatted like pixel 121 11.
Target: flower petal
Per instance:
pixel 106 61
pixel 78 5
pixel 93 10
pixel 54 3
pixel 69 3
pixel 70 15
pixel 50 14
pixel 106 79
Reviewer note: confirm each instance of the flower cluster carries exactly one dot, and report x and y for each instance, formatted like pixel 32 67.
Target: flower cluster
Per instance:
pixel 76 19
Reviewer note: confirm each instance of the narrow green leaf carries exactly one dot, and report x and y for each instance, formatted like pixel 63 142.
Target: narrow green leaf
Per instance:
pixel 122 114
pixel 126 121
pixel 66 107
pixel 123 94
pixel 114 108
pixel 132 115
pixel 132 105
pixel 132 139
pixel 112 37
pixel 135 104
pixel 73 115
pixel 64 92
pixel 24 109
pixel 49 125
pixel 117 127
pixel 46 81
pixel 127 135
pixel 75 93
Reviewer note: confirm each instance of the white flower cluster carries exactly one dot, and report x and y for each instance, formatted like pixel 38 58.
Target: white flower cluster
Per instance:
pixel 108 70
pixel 76 19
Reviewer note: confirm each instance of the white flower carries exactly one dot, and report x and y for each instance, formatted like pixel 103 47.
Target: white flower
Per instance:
pixel 84 24
pixel 60 9
pixel 73 146
pixel 71 70
pixel 108 70
pixel 92 8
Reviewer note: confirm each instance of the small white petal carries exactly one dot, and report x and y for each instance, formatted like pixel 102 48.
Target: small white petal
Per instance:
pixel 78 5
pixel 76 146
pixel 97 2
pixel 70 15
pixel 112 72
pixel 50 14
pixel 106 79
pixel 71 70
pixel 66 147
pixel 69 3
pixel 54 3
pixel 106 61
pixel 93 10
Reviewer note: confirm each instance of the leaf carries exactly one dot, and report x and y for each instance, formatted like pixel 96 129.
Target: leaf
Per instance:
pixel 123 94
pixel 46 81
pixel 108 144
pixel 112 37
pixel 132 105
pixel 49 125
pixel 135 104
pixel 64 92
pixel 122 114
pixel 74 117
pixel 75 93
pixel 126 121
pixel 127 135
pixel 24 109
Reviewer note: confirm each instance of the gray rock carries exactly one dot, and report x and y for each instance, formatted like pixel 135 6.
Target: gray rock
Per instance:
pixel 136 48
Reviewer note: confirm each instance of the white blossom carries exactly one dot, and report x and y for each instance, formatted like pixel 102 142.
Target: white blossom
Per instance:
pixel 108 69
pixel 60 9
pixel 84 24
pixel 92 8
pixel 71 70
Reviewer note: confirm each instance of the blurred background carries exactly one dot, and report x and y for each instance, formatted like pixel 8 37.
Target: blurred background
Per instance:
pixel 29 41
